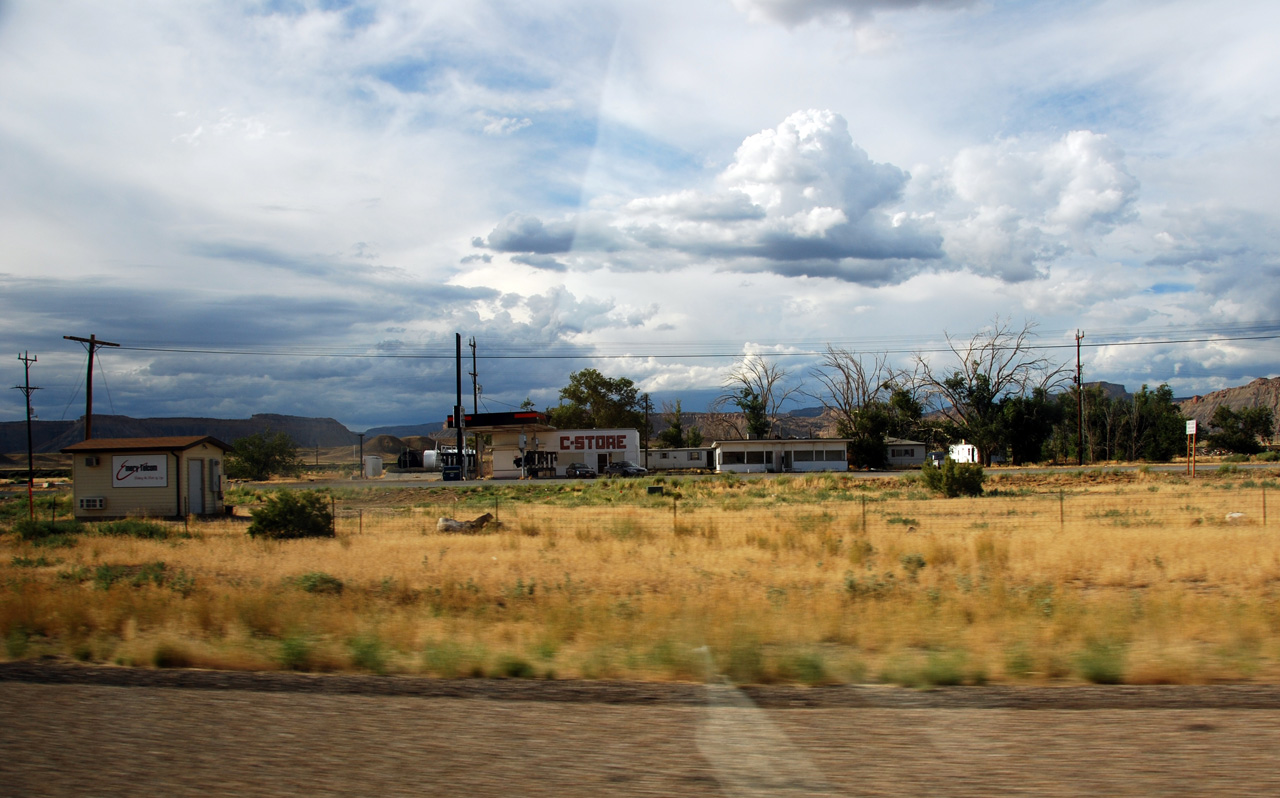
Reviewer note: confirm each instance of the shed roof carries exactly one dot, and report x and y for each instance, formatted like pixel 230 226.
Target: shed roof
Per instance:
pixel 172 443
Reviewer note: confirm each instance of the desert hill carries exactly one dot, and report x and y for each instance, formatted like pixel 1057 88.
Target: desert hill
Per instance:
pixel 1262 392
pixel 50 436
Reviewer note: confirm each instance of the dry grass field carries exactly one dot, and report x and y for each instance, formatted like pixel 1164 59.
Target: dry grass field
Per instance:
pixel 1135 577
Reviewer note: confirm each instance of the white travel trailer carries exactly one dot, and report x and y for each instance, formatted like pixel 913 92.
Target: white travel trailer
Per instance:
pixel 963 453
pixel 780 456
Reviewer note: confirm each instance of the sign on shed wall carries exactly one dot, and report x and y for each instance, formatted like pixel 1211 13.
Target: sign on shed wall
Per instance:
pixel 140 471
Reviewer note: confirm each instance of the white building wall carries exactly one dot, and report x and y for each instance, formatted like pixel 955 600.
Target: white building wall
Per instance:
pixel 595 447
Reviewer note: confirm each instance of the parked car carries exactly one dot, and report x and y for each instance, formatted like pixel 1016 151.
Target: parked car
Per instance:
pixel 579 471
pixel 625 468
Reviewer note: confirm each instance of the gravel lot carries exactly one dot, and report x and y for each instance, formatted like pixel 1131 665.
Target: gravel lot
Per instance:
pixel 71 730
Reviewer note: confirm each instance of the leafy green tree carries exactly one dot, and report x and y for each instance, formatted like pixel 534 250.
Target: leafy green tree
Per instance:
pixel 259 456
pixel 1239 430
pixel 693 438
pixel 1027 423
pixel 1157 428
pixel 866 430
pixel 594 401
pixel 753 408
pixel 673 436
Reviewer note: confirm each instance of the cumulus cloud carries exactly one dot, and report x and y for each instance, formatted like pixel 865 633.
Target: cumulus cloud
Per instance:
pixel 520 233
pixel 1009 210
pixel 800 198
pixel 798 12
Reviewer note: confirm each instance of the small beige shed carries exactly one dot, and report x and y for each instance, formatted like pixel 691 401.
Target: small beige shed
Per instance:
pixel 158 477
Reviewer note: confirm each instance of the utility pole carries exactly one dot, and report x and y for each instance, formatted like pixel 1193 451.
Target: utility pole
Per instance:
pixel 92 343
pixel 27 360
pixel 457 408
pixel 361 434
pixel 475 388
pixel 1079 404
pixel 648 407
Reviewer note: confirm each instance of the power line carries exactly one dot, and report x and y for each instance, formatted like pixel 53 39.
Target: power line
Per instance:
pixel 514 353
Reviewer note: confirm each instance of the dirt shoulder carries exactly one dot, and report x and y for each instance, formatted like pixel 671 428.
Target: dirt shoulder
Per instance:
pixel 1072 697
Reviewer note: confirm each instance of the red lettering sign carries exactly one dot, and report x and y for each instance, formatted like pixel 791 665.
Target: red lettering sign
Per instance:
pixel 564 442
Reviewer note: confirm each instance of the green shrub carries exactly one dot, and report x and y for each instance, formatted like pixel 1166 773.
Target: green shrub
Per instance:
pixel 953 479
pixel 105 576
pixel 288 515
pixel 912 563
pixel 1101 663
pixel 512 667
pixel 367 654
pixel 295 653
pixel 1268 457
pixel 39 531
pixel 319 582
pixel 134 528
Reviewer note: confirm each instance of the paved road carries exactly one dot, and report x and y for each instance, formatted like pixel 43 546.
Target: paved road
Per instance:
pixel 254 735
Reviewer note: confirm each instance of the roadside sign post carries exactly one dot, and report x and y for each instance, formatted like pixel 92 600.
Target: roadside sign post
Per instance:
pixel 1191 447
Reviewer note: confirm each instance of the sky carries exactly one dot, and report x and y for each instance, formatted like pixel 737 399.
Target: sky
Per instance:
pixel 293 206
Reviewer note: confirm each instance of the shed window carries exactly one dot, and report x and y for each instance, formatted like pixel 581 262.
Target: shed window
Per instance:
pixel 755 458
pixel 695 455
pixel 802 456
pixel 834 456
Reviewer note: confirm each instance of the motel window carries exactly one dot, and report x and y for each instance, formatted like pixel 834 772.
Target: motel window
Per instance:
pixel 662 456
pixel 695 455
pixel 755 458
pixel 834 455
pixel 802 456
pixel 733 458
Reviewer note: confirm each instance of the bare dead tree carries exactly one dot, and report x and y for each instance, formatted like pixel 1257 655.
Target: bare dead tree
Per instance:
pixel 850 382
pixel 722 426
pixel 1000 360
pixel 766 380
pixel 870 399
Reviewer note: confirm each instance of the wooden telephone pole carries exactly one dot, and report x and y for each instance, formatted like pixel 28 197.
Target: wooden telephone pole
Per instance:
pixel 92 343
pixel 27 360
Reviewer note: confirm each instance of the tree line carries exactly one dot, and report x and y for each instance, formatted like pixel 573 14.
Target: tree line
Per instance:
pixel 995 390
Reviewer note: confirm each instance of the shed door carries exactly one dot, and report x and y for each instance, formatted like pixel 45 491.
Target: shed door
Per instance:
pixel 195 487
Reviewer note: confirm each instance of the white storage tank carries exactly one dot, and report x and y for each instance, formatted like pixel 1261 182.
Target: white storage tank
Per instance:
pixel 431 460
pixel 372 466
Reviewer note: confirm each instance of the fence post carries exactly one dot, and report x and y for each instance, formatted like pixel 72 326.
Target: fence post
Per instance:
pixel 361 511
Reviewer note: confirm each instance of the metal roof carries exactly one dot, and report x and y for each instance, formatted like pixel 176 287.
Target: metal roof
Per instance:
pixel 172 443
